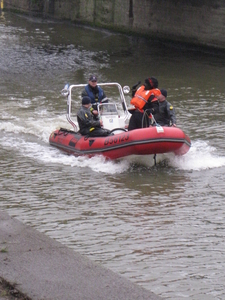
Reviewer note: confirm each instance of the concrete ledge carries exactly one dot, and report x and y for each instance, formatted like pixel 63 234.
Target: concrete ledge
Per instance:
pixel 42 268
pixel 194 22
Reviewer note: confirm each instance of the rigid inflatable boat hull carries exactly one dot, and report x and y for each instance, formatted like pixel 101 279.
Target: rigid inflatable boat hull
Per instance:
pixel 144 141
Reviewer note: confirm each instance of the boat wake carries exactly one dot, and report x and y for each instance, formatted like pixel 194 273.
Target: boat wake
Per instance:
pixel 201 156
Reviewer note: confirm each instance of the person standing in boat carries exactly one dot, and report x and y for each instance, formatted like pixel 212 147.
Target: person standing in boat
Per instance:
pixel 94 91
pixel 166 114
pixel 88 124
pixel 145 102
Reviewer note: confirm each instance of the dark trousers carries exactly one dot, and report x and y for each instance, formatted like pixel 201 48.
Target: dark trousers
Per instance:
pixel 138 120
pixel 99 132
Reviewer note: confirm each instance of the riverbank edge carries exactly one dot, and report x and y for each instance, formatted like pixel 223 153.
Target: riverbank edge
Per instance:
pixel 39 267
pixel 170 40
pixel 10 292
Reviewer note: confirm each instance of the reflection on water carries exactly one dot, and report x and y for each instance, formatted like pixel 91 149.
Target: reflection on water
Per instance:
pixel 162 226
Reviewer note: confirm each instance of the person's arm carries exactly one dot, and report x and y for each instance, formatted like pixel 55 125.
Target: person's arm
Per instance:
pixel 152 107
pixel 171 114
pixel 87 120
pixel 84 93
pixel 94 111
pixel 104 95
pixel 134 88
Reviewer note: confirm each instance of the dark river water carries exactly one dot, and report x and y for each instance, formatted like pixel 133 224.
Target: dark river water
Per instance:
pixel 162 227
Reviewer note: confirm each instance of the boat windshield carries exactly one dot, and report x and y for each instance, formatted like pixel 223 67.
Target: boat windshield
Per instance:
pixel 107 109
pixel 114 106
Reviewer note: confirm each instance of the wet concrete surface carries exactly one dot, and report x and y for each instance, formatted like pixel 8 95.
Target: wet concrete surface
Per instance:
pixel 41 268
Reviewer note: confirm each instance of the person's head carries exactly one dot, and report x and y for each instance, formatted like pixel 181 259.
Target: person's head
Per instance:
pixel 163 95
pixel 92 81
pixel 151 83
pixel 86 101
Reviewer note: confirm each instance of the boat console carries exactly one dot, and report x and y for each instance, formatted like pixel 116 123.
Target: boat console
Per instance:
pixel 113 112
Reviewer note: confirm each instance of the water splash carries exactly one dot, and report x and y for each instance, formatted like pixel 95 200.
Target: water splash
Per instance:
pixel 31 135
pixel 201 156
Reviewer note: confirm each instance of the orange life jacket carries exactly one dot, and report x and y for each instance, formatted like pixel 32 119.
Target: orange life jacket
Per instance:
pixel 141 96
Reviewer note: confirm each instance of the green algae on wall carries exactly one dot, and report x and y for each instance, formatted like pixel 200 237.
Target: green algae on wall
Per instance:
pixel 199 22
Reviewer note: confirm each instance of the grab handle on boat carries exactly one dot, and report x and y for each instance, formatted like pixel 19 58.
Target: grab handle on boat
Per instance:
pixel 153 119
pixel 159 128
pixel 65 90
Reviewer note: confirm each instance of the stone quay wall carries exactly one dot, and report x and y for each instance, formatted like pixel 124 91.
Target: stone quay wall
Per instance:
pixel 199 22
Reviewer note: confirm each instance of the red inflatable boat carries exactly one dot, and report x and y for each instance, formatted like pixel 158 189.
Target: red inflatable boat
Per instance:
pixel 144 141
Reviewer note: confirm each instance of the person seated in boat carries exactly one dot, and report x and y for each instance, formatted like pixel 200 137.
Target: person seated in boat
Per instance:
pixel 166 114
pixel 145 103
pixel 94 91
pixel 88 124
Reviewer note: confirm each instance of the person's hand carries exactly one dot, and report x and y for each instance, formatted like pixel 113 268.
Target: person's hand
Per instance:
pixel 101 123
pixel 94 112
pixel 150 111
pixel 134 88
pixel 174 125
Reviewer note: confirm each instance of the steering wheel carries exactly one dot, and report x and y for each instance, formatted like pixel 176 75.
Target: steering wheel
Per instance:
pixel 115 129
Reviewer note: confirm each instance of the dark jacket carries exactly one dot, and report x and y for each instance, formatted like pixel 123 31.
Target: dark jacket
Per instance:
pixel 166 114
pixel 96 94
pixel 86 121
pixel 139 119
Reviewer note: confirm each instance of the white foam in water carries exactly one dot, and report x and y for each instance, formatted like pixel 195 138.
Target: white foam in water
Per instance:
pixel 100 164
pixel 11 127
pixel 39 128
pixel 201 156
pixel 48 154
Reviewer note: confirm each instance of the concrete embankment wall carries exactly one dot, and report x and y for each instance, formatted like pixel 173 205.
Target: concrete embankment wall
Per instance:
pixel 200 22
